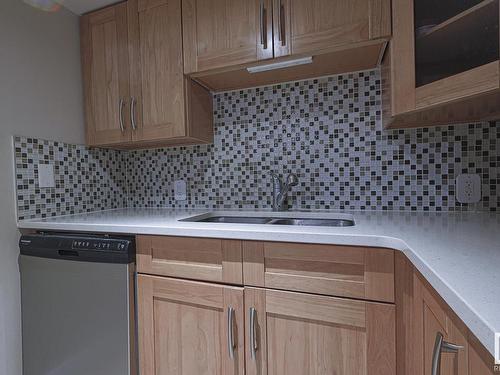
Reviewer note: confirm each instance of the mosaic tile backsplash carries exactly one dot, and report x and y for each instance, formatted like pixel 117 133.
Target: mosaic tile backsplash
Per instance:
pixel 328 131
pixel 85 179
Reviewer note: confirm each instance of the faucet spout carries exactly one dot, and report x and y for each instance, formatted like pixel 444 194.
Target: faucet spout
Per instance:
pixel 281 190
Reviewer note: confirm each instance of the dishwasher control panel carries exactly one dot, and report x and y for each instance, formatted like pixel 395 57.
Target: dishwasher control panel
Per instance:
pixel 100 244
pixel 79 247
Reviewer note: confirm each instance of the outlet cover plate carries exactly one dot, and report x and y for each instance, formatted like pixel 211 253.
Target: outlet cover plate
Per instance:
pixel 468 187
pixel 46 176
pixel 180 190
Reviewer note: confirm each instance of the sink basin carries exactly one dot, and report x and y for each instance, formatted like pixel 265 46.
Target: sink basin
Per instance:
pixel 234 220
pixel 313 222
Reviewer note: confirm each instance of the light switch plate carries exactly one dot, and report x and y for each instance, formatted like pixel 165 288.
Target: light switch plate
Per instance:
pixel 180 190
pixel 468 187
pixel 46 176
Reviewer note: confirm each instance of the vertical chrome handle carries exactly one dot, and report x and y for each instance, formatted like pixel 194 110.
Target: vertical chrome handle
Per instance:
pixel 263 31
pixel 230 332
pixel 122 104
pixel 132 113
pixel 441 346
pixel 281 24
pixel 253 333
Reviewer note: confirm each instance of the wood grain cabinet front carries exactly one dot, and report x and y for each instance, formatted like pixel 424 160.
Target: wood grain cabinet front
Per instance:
pixel 223 38
pixel 443 66
pixel 136 94
pixel 302 27
pixel 206 259
pixel 432 340
pixel 221 33
pixel 300 309
pixel 346 271
pixel 105 76
pixel 297 334
pixel 444 348
pixel 192 328
pixel 189 328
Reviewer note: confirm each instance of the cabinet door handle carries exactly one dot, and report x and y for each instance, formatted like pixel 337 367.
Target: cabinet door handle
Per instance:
pixel 281 23
pixel 230 332
pixel 253 333
pixel 121 105
pixel 441 346
pixel 263 23
pixel 132 113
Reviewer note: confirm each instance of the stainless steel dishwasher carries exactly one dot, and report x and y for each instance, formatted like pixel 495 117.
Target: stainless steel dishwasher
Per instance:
pixel 78 305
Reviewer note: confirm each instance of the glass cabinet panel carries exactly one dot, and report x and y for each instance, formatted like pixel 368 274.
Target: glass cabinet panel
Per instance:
pixel 453 36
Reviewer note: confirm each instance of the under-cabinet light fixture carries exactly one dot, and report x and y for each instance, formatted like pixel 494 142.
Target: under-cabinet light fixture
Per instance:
pixel 280 65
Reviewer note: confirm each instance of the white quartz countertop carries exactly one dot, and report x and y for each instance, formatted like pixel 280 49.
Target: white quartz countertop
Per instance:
pixel 458 253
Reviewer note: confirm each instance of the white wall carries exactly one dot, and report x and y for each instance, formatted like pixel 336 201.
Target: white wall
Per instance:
pixel 40 96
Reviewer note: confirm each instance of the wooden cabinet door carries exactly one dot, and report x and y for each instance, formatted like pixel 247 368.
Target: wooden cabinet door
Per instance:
pixel 481 362
pixel 105 75
pixel 297 334
pixel 443 53
pixel 206 259
pixel 184 328
pixel 432 319
pixel 221 33
pixel 157 80
pixel 310 26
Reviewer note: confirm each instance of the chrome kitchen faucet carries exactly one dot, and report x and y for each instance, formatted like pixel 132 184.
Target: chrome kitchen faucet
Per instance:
pixel 281 189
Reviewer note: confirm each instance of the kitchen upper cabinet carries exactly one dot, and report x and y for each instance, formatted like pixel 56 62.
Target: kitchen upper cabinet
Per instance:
pixel 189 328
pixel 443 65
pixel 296 334
pixel 221 33
pixel 158 85
pixel 302 27
pixel 222 38
pixel 136 60
pixel 105 75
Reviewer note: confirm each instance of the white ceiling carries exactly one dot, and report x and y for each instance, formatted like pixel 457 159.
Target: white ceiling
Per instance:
pixel 84 6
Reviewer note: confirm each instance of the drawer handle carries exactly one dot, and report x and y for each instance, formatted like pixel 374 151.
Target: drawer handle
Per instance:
pixel 441 346
pixel 230 332
pixel 263 25
pixel 121 105
pixel 253 333
pixel 281 24
pixel 132 113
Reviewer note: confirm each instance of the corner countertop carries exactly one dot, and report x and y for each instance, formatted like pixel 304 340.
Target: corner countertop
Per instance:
pixel 458 253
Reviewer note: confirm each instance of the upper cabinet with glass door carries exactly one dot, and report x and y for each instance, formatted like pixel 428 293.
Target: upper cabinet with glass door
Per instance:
pixel 453 37
pixel 443 64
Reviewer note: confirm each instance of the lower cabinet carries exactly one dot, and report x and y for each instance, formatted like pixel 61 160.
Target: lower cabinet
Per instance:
pixel 189 328
pixel 444 348
pixel 298 309
pixel 431 339
pixel 193 328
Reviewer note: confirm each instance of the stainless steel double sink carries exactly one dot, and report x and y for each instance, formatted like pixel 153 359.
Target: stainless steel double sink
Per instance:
pixel 270 220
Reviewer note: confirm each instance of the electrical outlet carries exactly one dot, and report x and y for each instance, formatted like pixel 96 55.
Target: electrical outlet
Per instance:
pixel 46 176
pixel 468 187
pixel 180 190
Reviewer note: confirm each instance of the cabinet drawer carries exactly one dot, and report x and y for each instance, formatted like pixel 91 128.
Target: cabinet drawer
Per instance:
pixel 346 271
pixel 205 259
